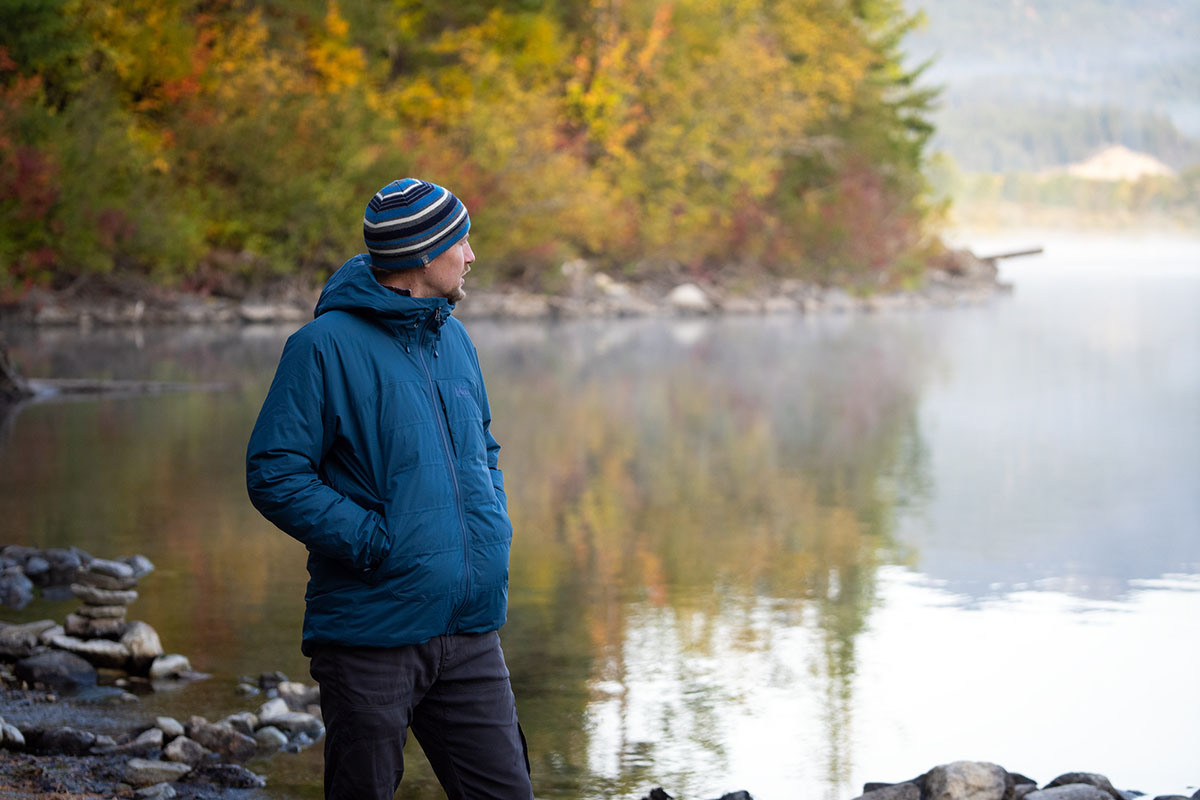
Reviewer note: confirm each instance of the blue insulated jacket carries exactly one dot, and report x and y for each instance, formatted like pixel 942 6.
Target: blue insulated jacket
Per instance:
pixel 373 448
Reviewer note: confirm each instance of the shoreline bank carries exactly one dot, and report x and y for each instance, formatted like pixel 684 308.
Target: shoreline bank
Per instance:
pixel 960 279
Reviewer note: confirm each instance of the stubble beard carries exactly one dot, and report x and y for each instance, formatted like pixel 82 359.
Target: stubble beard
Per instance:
pixel 457 295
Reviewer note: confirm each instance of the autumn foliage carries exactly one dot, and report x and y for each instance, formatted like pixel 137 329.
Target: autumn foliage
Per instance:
pixel 216 143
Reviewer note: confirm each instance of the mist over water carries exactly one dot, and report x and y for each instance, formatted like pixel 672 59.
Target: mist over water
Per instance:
pixel 781 554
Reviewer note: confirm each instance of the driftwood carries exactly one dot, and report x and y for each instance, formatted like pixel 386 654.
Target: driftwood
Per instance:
pixel 1032 251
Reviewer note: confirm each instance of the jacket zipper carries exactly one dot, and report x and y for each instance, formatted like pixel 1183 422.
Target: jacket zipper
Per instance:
pixel 440 413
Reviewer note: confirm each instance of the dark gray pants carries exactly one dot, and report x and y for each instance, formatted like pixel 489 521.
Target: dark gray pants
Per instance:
pixel 453 691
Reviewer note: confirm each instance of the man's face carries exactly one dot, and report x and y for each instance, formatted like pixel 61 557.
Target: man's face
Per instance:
pixel 444 275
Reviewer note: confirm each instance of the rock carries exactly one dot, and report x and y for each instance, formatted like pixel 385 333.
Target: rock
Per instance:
pixel 271 680
pixel 89 628
pixel 185 751
pixel 298 696
pixel 101 612
pixel 37 569
pixel 50 633
pixel 689 298
pixel 157 791
pixel 271 709
pixel 141 772
pixel 1070 791
pixel 63 564
pixel 101 652
pixel 169 726
pixel 21 641
pixel 57 669
pixel 16 590
pixel 143 643
pixel 297 722
pixel 270 739
pixel 1172 797
pixel 145 744
pixel 246 690
pixel 743 795
pixel 95 596
pixel 105 582
pixel 230 775
pixel 1089 778
pixel 896 791
pixel 221 739
pixel 966 780
pixel 169 666
pixel 140 565
pixel 1022 790
pixel 113 569
pixel 67 741
pixel 243 722
pixel 11 736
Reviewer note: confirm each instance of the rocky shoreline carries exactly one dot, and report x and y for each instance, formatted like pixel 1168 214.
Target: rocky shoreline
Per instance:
pixel 958 278
pixel 98 656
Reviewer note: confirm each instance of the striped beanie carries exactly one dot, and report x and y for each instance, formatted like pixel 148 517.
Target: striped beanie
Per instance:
pixel 410 222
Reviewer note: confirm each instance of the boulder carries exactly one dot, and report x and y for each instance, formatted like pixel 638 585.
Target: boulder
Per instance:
pixel 57 669
pixel 66 741
pixel 966 780
pixel 95 596
pixel 270 739
pixel 142 772
pixel 101 652
pixel 230 775
pixel 169 666
pixel 21 641
pixel 169 726
pixel 185 751
pixel 143 643
pixel 895 791
pixel 1070 791
pixel 1022 790
pixel 690 299
pixel 1090 778
pixel 221 739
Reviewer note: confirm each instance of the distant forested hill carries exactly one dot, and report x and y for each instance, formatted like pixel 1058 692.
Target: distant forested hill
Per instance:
pixel 1036 83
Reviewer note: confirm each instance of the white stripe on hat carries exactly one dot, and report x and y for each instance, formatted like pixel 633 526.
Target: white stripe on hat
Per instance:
pixel 424 243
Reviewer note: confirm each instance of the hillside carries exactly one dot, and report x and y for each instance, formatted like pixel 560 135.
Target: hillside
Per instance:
pixel 1031 84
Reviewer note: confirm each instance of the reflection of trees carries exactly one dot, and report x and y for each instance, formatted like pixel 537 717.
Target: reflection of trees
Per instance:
pixel 699 480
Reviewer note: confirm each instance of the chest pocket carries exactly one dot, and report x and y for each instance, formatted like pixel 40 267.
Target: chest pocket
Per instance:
pixel 463 418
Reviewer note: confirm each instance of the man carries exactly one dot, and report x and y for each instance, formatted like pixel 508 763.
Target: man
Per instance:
pixel 374 449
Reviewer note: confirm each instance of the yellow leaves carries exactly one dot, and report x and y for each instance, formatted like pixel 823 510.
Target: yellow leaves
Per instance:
pixel 338 63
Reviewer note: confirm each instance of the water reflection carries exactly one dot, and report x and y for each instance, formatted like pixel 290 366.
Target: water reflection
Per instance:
pixel 770 553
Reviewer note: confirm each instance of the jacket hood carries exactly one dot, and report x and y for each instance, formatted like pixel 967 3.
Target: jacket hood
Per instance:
pixel 353 288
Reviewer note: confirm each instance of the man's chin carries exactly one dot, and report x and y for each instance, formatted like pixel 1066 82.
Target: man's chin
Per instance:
pixel 457 296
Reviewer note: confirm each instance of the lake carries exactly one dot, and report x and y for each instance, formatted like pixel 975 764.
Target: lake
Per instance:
pixel 782 554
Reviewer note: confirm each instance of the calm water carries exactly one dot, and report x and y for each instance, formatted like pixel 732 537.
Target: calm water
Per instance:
pixel 778 554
